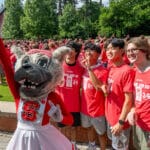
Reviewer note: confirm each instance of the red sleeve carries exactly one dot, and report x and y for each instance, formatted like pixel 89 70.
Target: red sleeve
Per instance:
pixel 128 80
pixel 9 72
pixel 67 117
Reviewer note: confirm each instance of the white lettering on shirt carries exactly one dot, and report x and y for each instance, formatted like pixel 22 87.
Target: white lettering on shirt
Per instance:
pixel 109 87
pixel 142 91
pixel 87 84
pixel 71 79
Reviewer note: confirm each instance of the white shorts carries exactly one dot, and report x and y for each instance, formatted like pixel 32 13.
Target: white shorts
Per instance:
pixel 99 123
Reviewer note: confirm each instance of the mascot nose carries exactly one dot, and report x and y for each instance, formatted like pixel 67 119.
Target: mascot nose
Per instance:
pixel 27 66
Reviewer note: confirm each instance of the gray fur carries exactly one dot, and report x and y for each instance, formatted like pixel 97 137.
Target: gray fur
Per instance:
pixel 60 53
pixel 37 81
pixel 17 51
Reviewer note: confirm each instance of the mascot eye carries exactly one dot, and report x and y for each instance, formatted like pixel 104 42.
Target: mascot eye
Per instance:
pixel 43 62
pixel 25 60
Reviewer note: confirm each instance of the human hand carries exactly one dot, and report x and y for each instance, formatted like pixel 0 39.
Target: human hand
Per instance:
pixel 104 89
pixel 116 129
pixel 86 62
pixel 131 117
pixel 55 112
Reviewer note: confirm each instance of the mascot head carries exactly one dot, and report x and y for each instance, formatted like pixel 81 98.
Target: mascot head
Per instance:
pixel 38 71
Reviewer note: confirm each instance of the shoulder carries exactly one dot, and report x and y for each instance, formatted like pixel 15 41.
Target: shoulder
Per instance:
pixel 127 69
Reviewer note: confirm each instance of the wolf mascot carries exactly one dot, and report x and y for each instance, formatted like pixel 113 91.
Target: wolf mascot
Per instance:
pixel 32 81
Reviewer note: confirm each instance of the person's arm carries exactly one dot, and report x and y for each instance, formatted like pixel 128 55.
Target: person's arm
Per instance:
pixel 9 72
pixel 95 81
pixel 116 129
pixel 126 106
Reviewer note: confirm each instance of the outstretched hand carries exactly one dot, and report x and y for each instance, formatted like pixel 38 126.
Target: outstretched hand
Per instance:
pixel 55 112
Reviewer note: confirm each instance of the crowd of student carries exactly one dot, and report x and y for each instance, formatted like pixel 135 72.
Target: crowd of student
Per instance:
pixel 106 88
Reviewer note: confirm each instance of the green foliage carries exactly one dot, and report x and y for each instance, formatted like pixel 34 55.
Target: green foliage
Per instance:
pixel 40 19
pixel 141 19
pixel 60 18
pixel 79 22
pixel 11 27
pixel 68 22
pixel 89 18
pixel 125 17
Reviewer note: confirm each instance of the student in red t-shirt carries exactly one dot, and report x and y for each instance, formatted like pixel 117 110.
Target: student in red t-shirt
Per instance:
pixel 119 95
pixel 93 99
pixel 70 89
pixel 138 52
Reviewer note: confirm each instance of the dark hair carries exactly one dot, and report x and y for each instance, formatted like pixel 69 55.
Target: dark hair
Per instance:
pixel 106 43
pixel 93 47
pixel 115 43
pixel 118 43
pixel 76 46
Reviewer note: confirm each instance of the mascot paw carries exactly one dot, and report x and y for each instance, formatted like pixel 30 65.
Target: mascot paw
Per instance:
pixel 55 112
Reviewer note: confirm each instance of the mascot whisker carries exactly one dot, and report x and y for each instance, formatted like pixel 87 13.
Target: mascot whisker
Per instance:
pixel 32 80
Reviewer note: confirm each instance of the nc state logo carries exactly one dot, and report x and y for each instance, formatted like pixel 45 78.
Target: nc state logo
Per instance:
pixel 30 110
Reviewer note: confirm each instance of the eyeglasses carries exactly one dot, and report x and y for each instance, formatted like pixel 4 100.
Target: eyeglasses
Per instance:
pixel 133 50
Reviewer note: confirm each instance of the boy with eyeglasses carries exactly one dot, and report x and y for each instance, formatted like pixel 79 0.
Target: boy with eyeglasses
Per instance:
pixel 138 53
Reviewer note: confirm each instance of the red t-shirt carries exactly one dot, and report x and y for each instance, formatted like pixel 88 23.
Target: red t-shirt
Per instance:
pixel 120 80
pixel 142 99
pixel 92 103
pixel 70 90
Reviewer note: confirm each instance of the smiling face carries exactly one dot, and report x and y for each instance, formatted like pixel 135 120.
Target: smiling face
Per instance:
pixel 91 56
pixel 71 57
pixel 134 55
pixel 138 50
pixel 114 54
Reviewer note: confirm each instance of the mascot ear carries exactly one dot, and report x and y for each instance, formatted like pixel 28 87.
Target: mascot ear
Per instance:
pixel 60 53
pixel 17 51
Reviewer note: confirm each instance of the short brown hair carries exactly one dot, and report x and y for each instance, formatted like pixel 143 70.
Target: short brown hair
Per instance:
pixel 142 44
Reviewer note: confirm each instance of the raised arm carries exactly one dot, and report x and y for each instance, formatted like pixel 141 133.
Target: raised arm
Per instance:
pixel 9 72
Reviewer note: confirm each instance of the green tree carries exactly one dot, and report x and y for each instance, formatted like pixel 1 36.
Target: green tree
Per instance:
pixel 68 22
pixel 125 17
pixel 11 27
pixel 80 22
pixel 62 3
pixel 104 23
pixel 89 14
pixel 140 21
pixel 111 19
pixel 40 19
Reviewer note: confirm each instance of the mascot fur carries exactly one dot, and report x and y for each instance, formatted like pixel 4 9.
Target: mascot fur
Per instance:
pixel 32 81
